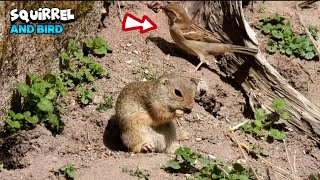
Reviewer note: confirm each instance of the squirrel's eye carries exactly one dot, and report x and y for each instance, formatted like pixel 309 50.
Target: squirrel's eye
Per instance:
pixel 178 93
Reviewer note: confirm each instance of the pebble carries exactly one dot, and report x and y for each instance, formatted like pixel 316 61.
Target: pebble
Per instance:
pixel 129 62
pixel 136 52
pixel 211 157
pixel 198 139
pixel 128 45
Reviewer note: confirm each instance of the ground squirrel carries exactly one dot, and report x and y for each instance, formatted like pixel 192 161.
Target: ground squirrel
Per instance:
pixel 145 110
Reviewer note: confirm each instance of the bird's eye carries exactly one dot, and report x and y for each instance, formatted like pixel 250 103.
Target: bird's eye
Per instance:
pixel 177 93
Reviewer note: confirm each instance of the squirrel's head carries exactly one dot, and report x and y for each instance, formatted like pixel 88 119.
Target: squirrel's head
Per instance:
pixel 176 94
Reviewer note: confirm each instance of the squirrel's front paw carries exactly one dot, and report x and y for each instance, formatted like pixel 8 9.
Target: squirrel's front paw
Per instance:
pixel 147 148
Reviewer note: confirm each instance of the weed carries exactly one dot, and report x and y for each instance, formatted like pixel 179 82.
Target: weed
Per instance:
pixel 38 104
pixel 314 32
pixel 38 96
pixel 85 96
pixel 68 171
pixel 107 104
pixel 264 121
pixel 256 150
pixel 96 46
pixel 202 168
pixel 140 173
pixel 262 9
pixel 283 39
pixel 315 176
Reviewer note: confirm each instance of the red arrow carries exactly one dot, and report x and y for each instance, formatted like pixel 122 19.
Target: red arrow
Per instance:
pixel 130 22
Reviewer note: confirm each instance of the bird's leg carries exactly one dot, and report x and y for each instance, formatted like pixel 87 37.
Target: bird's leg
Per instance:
pixel 198 66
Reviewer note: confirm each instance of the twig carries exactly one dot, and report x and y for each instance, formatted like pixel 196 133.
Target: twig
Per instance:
pixel 244 155
pixel 308 32
pixel 288 158
pixel 121 17
pixel 239 125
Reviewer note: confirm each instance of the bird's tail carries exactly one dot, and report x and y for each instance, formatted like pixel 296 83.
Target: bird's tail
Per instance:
pixel 243 50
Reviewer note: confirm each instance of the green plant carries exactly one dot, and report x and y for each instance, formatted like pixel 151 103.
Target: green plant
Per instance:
pixel 96 46
pixel 85 96
pixel 314 31
pixel 187 161
pixel 38 96
pixel 282 38
pixel 139 173
pixel 107 104
pixel 315 176
pixel 266 122
pixel 38 104
pixel 256 150
pixel 78 68
pixel 262 9
pixel 68 171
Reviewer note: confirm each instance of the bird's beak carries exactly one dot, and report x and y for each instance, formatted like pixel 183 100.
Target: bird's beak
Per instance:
pixel 160 9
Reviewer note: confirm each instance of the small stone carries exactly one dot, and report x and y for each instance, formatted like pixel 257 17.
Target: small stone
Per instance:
pixel 136 52
pixel 128 45
pixel 129 62
pixel 198 139
pixel 211 157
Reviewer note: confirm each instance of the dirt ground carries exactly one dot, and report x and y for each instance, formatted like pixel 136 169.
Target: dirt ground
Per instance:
pixel 87 141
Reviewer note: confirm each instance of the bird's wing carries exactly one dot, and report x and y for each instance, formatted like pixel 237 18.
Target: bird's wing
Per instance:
pixel 197 33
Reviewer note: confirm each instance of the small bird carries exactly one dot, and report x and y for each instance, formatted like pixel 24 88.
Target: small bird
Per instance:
pixel 196 40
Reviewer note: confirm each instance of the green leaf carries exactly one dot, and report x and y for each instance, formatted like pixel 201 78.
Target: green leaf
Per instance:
pixel 238 167
pixel 276 134
pixel 260 114
pixel 23 89
pixel 19 116
pixel 39 89
pixel 84 100
pixel 258 123
pixel 50 78
pixel 99 42
pixel 64 56
pixel 59 108
pixel 288 51
pixel 278 104
pixel 309 55
pixel 88 75
pixel 51 94
pixel 174 164
pixel 45 105
pixel 100 51
pixel 277 34
pixel 72 46
pixel 247 128
pixel 285 115
pixel 53 119
pixel 13 124
pixel 89 43
pixel 33 120
pixel 271 48
pixel 266 29
pixel 78 55
pixel 259 25
pixel 97 68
